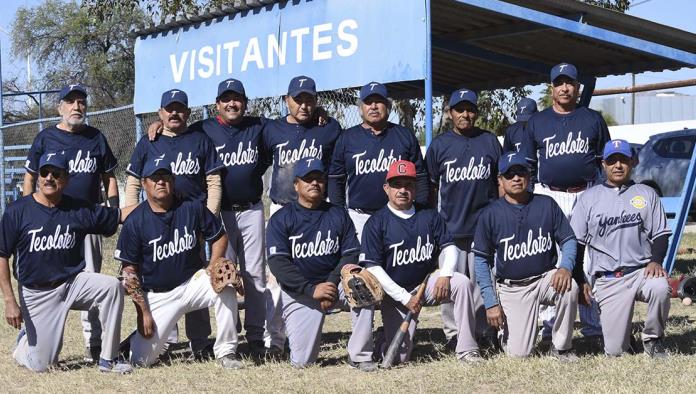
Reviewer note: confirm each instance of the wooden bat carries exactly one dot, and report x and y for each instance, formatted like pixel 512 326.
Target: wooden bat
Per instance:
pixel 398 339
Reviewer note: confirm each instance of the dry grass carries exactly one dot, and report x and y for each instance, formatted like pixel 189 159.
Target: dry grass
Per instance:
pixel 433 370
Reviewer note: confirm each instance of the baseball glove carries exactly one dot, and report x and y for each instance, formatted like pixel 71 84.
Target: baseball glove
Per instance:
pixel 223 272
pixel 361 288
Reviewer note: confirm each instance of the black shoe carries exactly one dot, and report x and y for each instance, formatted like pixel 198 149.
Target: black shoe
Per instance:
pixel 203 355
pixel 365 366
pixel 451 344
pixel 257 347
pixel 230 361
pixel 564 356
pixel 655 348
pixel 92 354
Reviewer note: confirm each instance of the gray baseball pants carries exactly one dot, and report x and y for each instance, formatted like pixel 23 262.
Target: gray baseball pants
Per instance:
pixel 616 298
pixel 521 305
pixel 461 298
pixel 465 266
pixel 91 327
pixel 45 312
pixel 245 231
pixel 304 320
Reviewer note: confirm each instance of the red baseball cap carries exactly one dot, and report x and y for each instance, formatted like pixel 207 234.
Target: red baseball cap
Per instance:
pixel 401 168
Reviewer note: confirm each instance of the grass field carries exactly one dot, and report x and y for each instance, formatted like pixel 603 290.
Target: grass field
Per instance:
pixel 433 370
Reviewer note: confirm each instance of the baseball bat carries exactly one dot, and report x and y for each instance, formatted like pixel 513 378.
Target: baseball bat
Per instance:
pixel 398 339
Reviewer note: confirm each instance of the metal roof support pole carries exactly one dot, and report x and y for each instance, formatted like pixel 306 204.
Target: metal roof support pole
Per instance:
pixel 588 86
pixel 685 199
pixel 428 77
pixel 2 144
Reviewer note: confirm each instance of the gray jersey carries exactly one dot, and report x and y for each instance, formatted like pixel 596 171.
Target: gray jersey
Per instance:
pixel 618 225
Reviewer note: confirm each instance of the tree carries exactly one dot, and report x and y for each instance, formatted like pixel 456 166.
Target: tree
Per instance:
pixel 69 44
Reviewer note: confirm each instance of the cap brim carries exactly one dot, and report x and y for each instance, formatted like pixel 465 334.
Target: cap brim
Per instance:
pixel 573 77
pixel 374 94
pixel 617 153
pixel 461 101
pixel 304 174
pixel 175 101
pixel 523 117
pixel 230 90
pixel 296 93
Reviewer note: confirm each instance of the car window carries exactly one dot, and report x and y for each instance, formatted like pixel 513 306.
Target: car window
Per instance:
pixel 675 147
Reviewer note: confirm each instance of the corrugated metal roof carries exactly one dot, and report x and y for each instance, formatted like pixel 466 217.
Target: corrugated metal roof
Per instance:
pixel 483 49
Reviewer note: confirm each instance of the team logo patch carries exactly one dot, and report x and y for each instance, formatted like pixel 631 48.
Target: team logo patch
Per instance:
pixel 638 202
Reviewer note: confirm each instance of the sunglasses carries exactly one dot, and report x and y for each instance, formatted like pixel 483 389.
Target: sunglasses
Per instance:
pixel 160 176
pixel 57 173
pixel 510 174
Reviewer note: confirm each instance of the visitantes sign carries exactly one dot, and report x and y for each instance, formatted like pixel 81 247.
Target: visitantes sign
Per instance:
pixel 339 43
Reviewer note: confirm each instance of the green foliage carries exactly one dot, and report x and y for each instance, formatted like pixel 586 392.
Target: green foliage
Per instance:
pixel 616 5
pixel 69 44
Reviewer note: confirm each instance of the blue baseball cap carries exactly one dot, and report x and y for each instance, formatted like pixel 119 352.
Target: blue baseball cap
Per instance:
pixel 75 87
pixel 525 109
pixel 307 165
pixel 373 88
pixel 302 84
pixel 174 96
pixel 230 85
pixel 621 147
pixel 566 69
pixel 463 94
pixel 153 165
pixel 55 159
pixel 511 159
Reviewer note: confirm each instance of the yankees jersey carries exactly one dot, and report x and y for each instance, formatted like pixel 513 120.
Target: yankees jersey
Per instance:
pixel 165 245
pixel 89 153
pixel 465 170
pixel 407 249
pixel 567 146
pixel 365 158
pixel 522 238
pixel 314 239
pixel 243 155
pixel 47 243
pixel 191 156
pixel 288 143
pixel 618 225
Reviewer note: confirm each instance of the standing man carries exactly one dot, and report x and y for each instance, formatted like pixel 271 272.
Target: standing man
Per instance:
pixel 624 228
pixel 364 153
pixel 309 241
pixel 196 168
pixel 463 166
pixel 520 231
pixel 161 242
pixel 297 136
pixel 514 134
pixel 90 164
pixel 400 245
pixel 566 142
pixel 45 232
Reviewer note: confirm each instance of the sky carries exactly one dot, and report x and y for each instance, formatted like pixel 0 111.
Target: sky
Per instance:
pixel 675 13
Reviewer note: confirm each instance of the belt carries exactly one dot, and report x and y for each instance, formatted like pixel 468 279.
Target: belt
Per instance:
pixel 243 207
pixel 570 189
pixel 365 211
pixel 159 289
pixel 621 272
pixel 45 285
pixel 519 282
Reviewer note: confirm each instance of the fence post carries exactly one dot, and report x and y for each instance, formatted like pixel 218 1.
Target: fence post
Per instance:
pixel 138 127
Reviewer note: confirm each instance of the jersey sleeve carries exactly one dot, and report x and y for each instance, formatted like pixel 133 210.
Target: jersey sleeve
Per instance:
pixel 442 235
pixel 338 164
pixel 349 238
pixel 578 220
pixel 528 141
pixel 603 136
pixel 35 152
pixel 417 157
pixel 432 164
pixel 561 226
pixel 657 219
pixel 9 234
pixel 497 153
pixel 109 161
pixel 483 238
pixel 137 160
pixel 371 247
pixel 128 248
pixel 267 142
pixel 212 159
pixel 211 226
pixel 508 146
pixel 100 219
pixel 277 236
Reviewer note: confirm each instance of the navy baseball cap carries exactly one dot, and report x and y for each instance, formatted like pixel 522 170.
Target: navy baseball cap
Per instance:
pixel 302 84
pixel 525 109
pixel 307 165
pixel 55 159
pixel 373 88
pixel 174 96
pixel 230 85
pixel 153 165
pixel 511 159
pixel 566 69
pixel 75 87
pixel 463 94
pixel 621 147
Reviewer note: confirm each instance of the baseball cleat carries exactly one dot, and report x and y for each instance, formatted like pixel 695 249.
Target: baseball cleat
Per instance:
pixel 655 348
pixel 119 366
pixel 471 357
pixel 564 356
pixel 364 366
pixel 230 361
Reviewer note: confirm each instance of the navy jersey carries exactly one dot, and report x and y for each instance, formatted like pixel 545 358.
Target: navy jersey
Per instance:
pixel 191 156
pixel 89 156
pixel 407 249
pixel 288 143
pixel 522 238
pixel 165 245
pixel 241 150
pixel 47 243
pixel 314 239
pixel 514 137
pixel 567 146
pixel 364 158
pixel 465 170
